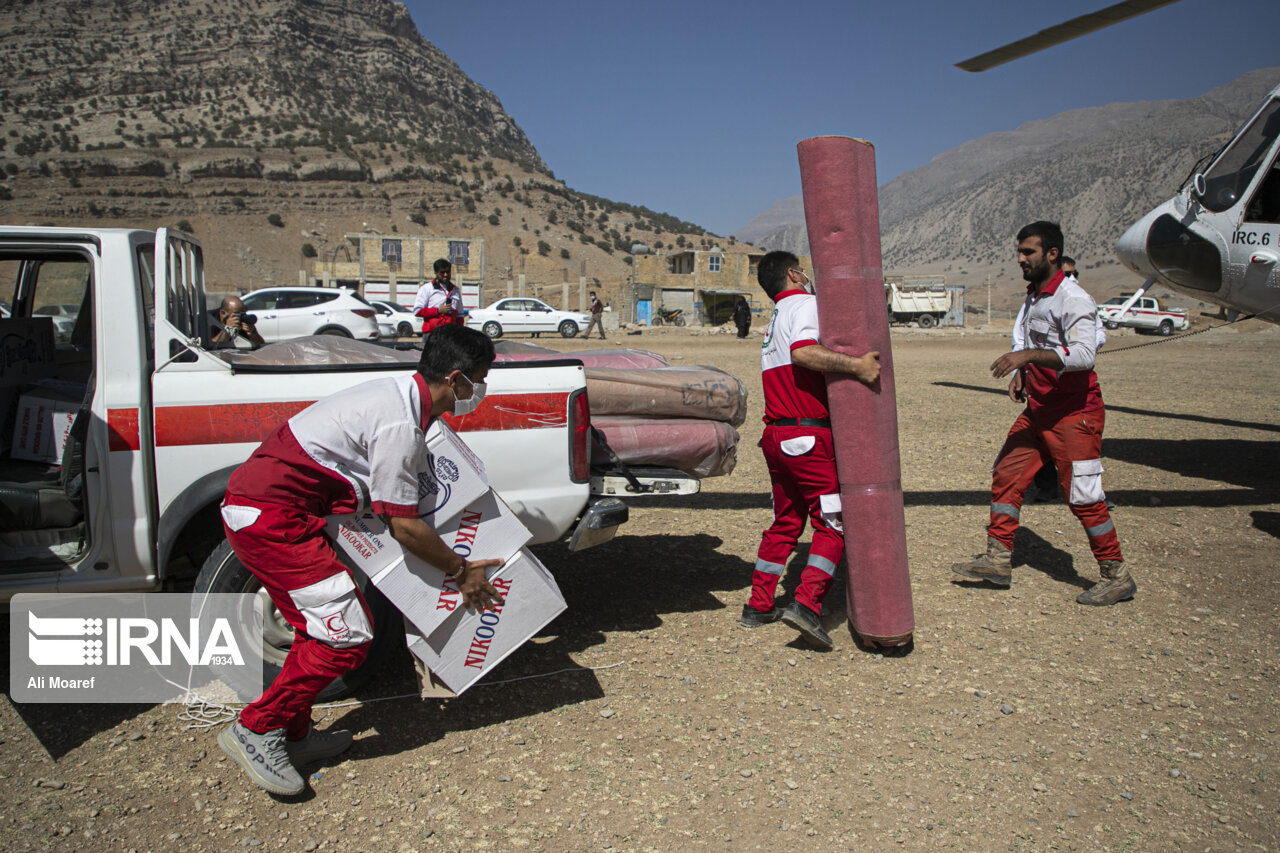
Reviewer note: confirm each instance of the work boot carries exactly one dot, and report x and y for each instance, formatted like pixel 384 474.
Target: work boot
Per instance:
pixel 995 566
pixel 752 618
pixel 804 620
pixel 263 757
pixel 318 745
pixel 1116 585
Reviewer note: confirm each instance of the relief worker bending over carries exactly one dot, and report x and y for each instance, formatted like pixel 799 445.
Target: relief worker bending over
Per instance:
pixel 358 450
pixel 798 449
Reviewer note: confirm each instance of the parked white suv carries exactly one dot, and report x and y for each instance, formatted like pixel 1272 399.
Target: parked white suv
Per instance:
pixel 523 314
pixel 284 313
pixel 400 318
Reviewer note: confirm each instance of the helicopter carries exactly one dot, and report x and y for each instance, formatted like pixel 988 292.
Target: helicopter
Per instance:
pixel 1218 239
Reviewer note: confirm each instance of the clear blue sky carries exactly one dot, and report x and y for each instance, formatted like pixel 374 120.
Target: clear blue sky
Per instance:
pixel 694 108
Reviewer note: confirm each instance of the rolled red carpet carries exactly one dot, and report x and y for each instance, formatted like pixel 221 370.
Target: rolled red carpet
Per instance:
pixel 841 208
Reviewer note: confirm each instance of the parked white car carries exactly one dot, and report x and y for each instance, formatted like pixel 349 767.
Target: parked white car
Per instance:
pixel 522 314
pixel 399 318
pixel 284 313
pixel 64 319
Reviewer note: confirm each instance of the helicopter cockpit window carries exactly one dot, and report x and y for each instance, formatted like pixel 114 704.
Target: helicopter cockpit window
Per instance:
pixel 1230 175
pixel 1265 204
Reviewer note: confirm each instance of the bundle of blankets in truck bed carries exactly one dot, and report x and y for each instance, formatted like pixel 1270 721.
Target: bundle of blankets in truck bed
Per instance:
pixel 648 412
pixel 651 413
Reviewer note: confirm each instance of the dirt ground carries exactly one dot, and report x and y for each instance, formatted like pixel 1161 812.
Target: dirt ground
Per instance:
pixel 649 720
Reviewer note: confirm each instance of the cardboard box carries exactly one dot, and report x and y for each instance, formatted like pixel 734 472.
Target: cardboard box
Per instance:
pixel 43 420
pixel 467 645
pixel 455 477
pixel 452 477
pixel 27 350
pixel 488 529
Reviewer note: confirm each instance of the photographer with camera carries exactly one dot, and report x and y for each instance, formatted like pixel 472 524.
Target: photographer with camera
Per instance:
pixel 233 328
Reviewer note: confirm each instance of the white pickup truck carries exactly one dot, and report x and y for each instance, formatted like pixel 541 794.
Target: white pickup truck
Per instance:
pixel 1145 314
pixel 116 443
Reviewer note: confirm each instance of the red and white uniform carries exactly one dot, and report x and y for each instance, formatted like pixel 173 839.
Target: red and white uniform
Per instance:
pixel 1063 420
pixel 433 302
pixel 356 450
pixel 800 457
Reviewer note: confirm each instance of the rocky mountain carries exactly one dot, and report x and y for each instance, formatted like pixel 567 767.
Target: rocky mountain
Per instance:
pixel 271 128
pixel 1094 170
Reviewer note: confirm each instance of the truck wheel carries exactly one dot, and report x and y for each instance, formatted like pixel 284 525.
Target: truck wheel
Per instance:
pixel 568 329
pixel 1110 325
pixel 927 321
pixel 404 330
pixel 223 572
pixel 492 329
pixel 1166 328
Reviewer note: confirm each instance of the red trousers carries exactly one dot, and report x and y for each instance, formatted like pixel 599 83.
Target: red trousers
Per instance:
pixel 286 549
pixel 1074 443
pixel 802 468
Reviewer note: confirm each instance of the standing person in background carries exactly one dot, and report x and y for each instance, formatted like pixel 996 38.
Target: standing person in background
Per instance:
pixel 1063 420
pixel 742 316
pixel 798 449
pixel 439 301
pixel 597 318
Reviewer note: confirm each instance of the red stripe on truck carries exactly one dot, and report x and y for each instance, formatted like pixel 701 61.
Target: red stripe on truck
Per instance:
pixel 234 423
pixel 122 429
pixel 184 426
pixel 515 411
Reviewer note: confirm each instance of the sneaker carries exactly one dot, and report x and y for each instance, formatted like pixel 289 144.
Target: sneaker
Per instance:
pixel 318 745
pixel 262 757
pixel 807 623
pixel 752 618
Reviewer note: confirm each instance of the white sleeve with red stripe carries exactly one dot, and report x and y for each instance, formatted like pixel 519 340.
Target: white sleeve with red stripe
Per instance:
pixel 395 455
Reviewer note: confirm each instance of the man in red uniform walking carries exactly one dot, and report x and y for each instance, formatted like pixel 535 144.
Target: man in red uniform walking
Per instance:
pixel 1063 420
pixel 356 450
pixel 798 449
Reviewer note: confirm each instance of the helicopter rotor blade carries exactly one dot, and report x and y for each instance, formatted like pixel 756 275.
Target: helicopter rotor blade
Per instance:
pixel 1073 28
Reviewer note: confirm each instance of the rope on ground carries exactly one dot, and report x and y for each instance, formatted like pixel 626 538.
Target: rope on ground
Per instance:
pixel 1170 339
pixel 355 702
pixel 200 713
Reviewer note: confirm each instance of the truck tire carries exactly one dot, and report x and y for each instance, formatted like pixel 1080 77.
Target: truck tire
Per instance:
pixel 927 321
pixel 568 329
pixel 223 572
pixel 1111 326
pixel 1166 328
pixel 492 329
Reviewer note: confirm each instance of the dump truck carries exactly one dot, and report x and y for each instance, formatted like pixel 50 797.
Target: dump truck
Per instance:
pixel 925 304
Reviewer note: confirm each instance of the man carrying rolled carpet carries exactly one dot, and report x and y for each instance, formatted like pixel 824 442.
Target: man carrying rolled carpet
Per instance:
pixel 798 449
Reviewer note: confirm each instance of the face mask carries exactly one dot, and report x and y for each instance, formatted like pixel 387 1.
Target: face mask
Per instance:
pixel 808 283
pixel 467 406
